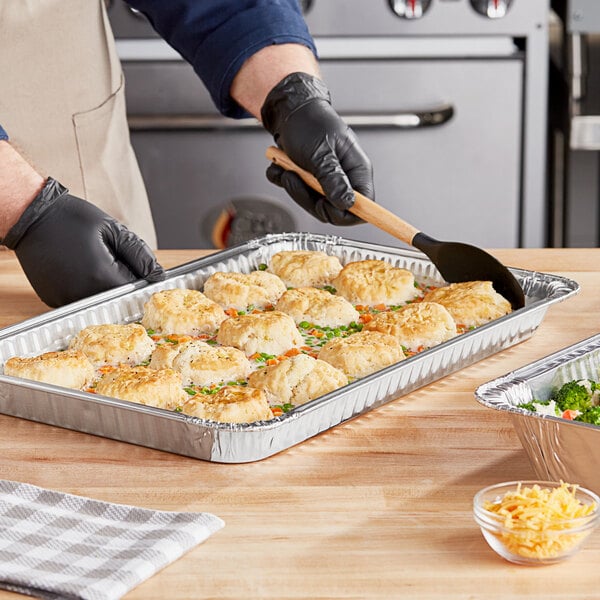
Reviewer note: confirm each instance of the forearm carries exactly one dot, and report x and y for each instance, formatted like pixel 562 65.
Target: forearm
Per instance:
pixel 19 185
pixel 265 69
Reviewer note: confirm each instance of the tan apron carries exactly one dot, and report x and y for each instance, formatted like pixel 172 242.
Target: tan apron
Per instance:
pixel 63 103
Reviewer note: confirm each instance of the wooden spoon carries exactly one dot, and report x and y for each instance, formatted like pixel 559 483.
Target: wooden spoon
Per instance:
pixel 455 261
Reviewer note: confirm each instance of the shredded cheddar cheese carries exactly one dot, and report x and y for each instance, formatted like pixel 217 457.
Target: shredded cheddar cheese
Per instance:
pixel 536 520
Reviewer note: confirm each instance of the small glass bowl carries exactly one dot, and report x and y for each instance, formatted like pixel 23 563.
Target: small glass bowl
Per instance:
pixel 529 547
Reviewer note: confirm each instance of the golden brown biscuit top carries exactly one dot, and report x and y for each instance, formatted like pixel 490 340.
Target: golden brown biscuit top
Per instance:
pixel 178 299
pixel 471 303
pixel 301 268
pixel 411 319
pixel 375 281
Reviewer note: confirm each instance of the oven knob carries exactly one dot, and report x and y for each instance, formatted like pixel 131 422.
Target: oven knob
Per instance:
pixel 493 9
pixel 410 9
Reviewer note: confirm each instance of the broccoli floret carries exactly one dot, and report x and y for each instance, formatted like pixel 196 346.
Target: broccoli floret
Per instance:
pixel 575 395
pixel 590 415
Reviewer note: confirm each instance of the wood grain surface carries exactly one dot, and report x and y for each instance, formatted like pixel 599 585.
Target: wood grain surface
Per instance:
pixel 376 508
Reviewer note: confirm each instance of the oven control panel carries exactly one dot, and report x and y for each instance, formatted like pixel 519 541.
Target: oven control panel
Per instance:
pixel 424 17
pixel 415 9
pixel 384 18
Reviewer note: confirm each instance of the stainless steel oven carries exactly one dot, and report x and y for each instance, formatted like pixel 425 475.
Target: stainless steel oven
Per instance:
pixel 575 123
pixel 448 98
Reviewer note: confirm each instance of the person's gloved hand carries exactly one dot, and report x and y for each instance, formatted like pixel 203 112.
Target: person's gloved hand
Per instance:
pixel 299 115
pixel 70 249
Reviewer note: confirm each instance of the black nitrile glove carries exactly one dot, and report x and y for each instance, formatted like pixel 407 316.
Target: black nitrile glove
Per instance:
pixel 70 249
pixel 299 115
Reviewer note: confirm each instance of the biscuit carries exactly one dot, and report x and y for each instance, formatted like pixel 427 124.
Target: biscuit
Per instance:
pixel 204 365
pixel 163 355
pixel 71 368
pixel 182 311
pixel 297 379
pixel 113 344
pixel 317 306
pixel 153 387
pixel 422 324
pixel 362 353
pixel 271 332
pixel 231 404
pixel 305 268
pixel 241 290
pixel 373 282
pixel 471 303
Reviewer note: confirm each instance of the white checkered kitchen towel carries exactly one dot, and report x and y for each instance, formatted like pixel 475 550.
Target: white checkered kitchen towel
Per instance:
pixel 55 545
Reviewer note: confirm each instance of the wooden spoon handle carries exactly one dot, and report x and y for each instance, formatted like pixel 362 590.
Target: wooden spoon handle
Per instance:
pixel 364 208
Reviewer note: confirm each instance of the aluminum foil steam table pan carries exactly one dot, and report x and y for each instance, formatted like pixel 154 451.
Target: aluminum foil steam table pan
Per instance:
pixel 557 448
pixel 236 443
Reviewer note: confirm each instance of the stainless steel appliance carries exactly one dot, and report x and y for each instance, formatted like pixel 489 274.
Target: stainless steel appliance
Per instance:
pixel 575 123
pixel 448 98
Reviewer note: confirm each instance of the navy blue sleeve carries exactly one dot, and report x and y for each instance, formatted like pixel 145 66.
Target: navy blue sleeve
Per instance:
pixel 217 36
pixel 3 134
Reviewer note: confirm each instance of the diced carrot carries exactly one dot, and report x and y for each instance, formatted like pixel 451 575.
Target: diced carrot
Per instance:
pixel 306 348
pixel 231 312
pixel 177 338
pixel 255 356
pixel 366 318
pixel 360 307
pixel 570 414
pixel 256 311
pixel 380 307
pixel 420 348
pixel 277 412
pixel 292 352
pixel 272 361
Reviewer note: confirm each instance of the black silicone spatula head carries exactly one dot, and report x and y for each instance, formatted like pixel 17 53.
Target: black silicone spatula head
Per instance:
pixel 455 261
pixel 458 262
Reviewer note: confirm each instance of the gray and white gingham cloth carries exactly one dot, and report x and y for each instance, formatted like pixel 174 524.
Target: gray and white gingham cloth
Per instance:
pixel 56 545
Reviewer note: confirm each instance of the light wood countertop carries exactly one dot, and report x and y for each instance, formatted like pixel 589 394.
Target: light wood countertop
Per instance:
pixel 375 508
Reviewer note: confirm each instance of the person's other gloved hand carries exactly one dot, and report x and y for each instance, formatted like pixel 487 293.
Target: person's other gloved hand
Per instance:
pixel 70 249
pixel 299 115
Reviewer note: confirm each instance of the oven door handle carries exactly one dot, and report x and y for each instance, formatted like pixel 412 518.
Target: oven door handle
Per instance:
pixel 413 119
